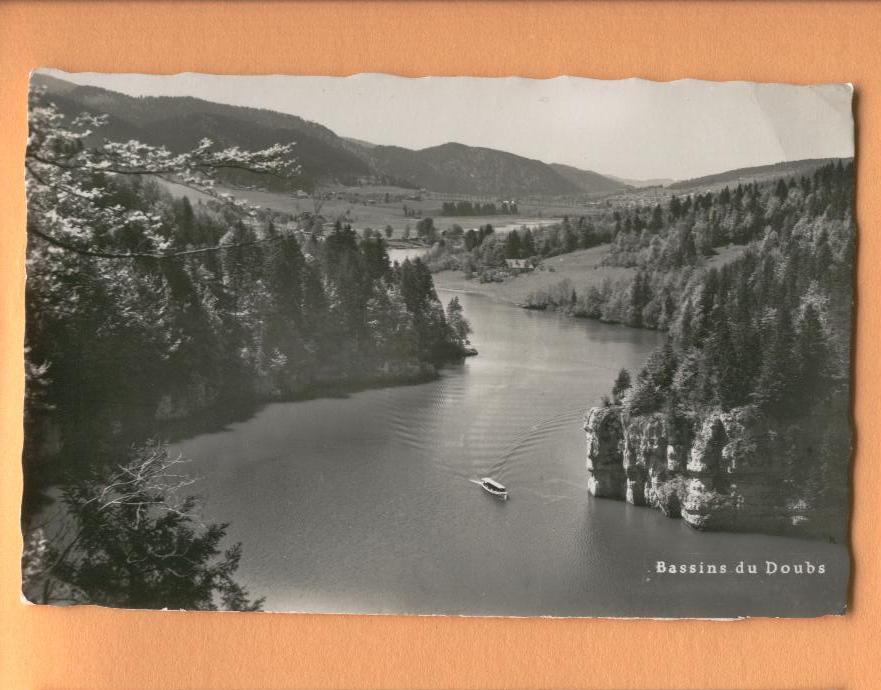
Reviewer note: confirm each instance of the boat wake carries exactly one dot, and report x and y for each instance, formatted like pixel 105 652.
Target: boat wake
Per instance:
pixel 533 441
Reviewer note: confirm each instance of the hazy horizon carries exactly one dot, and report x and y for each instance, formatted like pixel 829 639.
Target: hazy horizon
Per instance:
pixel 633 128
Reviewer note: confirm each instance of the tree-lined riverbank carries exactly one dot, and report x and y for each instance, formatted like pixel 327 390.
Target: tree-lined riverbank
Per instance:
pixel 364 504
pixel 581 268
pixel 143 308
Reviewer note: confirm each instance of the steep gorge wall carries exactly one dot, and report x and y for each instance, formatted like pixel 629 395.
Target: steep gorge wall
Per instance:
pixel 729 472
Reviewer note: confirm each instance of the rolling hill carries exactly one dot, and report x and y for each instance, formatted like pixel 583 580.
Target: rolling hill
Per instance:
pixel 180 122
pixel 759 173
pixel 589 181
pixel 326 158
pixel 456 168
pixel 638 184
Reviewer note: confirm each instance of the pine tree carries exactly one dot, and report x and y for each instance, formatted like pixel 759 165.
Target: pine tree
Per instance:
pixel 774 387
pixel 527 248
pixel 812 360
pixel 512 245
pixel 458 324
pixel 621 385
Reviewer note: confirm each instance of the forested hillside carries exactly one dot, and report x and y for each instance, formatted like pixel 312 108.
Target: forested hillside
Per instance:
pixel 143 308
pixel 753 286
pixel 757 173
pixel 756 364
pixel 180 123
pixel 264 316
pixel 324 158
pixel 789 291
pixel 459 169
pixel 483 253
pixel 590 181
pixel 670 246
pixel 785 304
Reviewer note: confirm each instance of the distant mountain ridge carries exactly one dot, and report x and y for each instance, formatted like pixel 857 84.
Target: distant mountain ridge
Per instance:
pixel 757 173
pixel 590 181
pixel 461 169
pixel 179 122
pixel 638 184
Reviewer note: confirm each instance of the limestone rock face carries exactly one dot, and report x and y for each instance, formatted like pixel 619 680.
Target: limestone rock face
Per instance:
pixel 605 447
pixel 725 472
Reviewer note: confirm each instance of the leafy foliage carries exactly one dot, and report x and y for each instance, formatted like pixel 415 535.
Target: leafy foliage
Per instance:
pixel 129 540
pixel 771 327
pixel 476 208
pixel 139 301
pixel 143 307
pixel 458 323
pixel 765 336
pixel 483 250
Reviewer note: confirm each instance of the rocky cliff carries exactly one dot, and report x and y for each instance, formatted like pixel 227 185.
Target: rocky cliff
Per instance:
pixel 732 471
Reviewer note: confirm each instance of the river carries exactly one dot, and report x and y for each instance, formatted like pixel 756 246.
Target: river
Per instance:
pixel 363 504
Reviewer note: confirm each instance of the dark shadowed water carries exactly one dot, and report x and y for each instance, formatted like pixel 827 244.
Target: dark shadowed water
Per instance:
pixel 364 504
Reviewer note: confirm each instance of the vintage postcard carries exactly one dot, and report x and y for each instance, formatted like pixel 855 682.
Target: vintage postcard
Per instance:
pixel 560 347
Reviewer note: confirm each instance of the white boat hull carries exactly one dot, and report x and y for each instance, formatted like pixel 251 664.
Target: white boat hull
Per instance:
pixel 493 488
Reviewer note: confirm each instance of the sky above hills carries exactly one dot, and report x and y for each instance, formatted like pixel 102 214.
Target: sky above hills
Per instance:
pixel 631 128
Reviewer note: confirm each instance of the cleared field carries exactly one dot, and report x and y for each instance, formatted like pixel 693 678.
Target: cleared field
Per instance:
pixel 725 255
pixel 377 215
pixel 372 212
pixel 581 268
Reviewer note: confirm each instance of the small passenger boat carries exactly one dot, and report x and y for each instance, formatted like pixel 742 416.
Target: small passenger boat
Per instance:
pixel 491 486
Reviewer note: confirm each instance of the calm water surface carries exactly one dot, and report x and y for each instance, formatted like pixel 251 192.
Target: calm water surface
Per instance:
pixel 364 504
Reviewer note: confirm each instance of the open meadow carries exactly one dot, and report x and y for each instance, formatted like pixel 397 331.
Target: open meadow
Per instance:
pixel 365 207
pixel 581 268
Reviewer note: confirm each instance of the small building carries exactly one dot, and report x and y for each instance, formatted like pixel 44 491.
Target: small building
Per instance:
pixel 519 265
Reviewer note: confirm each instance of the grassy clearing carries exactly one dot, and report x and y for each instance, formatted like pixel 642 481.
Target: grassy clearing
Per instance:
pixel 581 268
pixel 372 212
pixel 725 255
pixel 377 215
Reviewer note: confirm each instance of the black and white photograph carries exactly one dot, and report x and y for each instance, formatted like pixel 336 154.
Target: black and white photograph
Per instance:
pixel 438 345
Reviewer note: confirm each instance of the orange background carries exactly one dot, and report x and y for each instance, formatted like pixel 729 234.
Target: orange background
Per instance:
pixel 94 648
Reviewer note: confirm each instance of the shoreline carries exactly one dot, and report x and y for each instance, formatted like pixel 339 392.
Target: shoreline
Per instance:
pixel 227 410
pixel 582 268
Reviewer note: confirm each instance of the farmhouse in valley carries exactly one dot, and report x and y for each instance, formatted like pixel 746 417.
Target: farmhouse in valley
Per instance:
pixel 519 265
